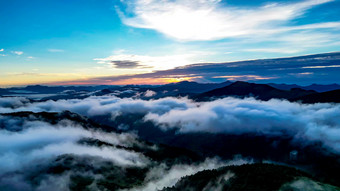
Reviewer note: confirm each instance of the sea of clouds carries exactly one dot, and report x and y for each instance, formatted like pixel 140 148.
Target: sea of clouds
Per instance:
pixel 303 122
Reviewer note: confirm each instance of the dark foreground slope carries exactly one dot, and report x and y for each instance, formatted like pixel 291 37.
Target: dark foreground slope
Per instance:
pixel 252 177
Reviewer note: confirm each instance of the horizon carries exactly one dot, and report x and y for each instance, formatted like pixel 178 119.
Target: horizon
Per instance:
pixel 152 85
pixel 177 80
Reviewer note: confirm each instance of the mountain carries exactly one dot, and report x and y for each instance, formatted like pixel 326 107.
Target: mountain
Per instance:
pixel 254 177
pixel 285 86
pixel 324 97
pixel 190 87
pixel 315 87
pixel 322 88
pixel 40 89
pixel 3 91
pixel 260 91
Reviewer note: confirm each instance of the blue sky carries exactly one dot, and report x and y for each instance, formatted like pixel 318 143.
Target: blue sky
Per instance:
pixel 62 40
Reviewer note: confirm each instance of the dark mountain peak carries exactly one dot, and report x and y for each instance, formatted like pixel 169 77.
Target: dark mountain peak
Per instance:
pixel 302 90
pixel 186 82
pixel 182 83
pixel 247 86
pixel 35 86
pixel 260 91
pixel 241 83
pixel 324 97
pixel 227 82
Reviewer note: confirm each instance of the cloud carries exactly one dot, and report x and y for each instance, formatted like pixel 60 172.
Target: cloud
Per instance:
pixel 265 70
pixel 55 50
pixel 123 61
pixel 305 184
pixel 1 50
pixel 18 52
pixel 12 102
pixel 285 50
pixel 305 123
pixel 94 106
pixel 162 176
pixel 125 64
pixel 244 77
pixel 150 93
pixel 316 67
pixel 40 141
pixel 210 20
pixel 54 153
pixel 217 185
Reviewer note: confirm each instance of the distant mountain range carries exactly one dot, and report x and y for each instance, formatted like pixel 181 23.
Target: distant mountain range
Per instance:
pixel 199 91
pixel 266 92
pixel 315 87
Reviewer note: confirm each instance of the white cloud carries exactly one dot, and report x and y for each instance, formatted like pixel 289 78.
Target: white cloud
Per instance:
pixel 150 62
pixel 285 50
pixel 162 176
pixel 18 52
pixel 209 20
pixel 1 50
pixel 55 50
pixel 317 67
pixel 149 93
pixel 39 140
pixel 307 122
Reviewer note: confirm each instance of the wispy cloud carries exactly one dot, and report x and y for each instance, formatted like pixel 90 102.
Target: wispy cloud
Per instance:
pixel 244 77
pixel 316 67
pixel 18 52
pixel 55 50
pixel 209 20
pixel 285 50
pixel 1 50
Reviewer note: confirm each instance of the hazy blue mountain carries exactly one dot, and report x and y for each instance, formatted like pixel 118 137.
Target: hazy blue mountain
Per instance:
pixel 315 87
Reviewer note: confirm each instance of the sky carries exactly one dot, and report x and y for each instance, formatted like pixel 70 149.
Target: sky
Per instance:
pixel 89 42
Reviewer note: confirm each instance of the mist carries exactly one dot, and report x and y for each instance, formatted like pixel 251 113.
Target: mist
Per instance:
pixel 306 123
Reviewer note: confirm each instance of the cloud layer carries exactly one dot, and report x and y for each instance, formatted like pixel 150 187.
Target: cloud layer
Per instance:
pixel 40 141
pixel 304 122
